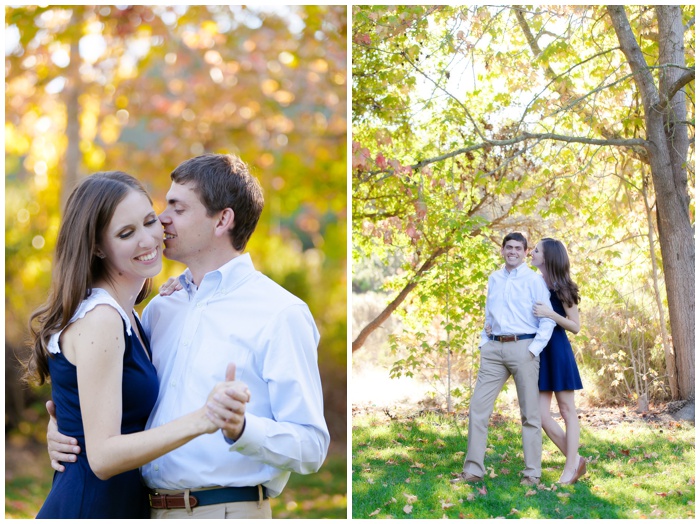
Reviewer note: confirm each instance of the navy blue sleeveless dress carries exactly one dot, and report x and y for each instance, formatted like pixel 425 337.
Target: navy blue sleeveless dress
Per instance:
pixel 558 369
pixel 77 492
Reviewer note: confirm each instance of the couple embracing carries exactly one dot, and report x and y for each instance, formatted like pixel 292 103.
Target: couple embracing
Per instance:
pixel 524 336
pixel 214 393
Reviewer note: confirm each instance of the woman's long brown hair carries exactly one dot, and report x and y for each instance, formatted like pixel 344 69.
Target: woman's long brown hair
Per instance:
pixel 556 263
pixel 88 212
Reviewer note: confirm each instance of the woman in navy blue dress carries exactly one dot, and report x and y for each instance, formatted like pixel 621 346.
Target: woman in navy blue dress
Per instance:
pixel 558 370
pixel 88 341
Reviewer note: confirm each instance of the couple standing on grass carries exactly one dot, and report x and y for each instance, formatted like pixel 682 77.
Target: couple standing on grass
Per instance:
pixel 524 336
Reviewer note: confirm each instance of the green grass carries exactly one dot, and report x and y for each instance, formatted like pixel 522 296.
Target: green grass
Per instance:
pixel 322 495
pixel 402 469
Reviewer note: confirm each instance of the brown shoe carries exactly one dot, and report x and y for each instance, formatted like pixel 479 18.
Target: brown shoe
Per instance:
pixel 530 481
pixel 580 471
pixel 466 477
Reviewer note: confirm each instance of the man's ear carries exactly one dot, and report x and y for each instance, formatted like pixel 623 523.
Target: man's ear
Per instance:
pixel 225 223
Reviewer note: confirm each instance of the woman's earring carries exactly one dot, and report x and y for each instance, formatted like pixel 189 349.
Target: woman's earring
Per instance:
pixel 100 255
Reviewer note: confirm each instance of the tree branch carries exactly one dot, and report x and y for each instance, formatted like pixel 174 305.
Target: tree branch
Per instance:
pixel 391 307
pixel 620 142
pixel 679 84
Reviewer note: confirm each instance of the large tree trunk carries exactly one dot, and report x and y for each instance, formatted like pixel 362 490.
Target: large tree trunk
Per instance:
pixel 665 115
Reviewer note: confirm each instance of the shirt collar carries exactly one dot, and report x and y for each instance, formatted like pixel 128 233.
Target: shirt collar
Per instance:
pixel 522 268
pixel 229 276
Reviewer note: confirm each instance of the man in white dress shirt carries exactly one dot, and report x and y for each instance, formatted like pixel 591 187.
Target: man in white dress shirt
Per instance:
pixel 227 312
pixel 512 347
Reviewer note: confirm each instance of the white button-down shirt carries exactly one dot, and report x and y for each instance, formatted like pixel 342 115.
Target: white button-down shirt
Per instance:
pixel 509 302
pixel 237 315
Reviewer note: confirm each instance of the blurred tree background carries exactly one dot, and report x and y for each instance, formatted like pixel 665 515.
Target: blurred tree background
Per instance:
pixel 142 88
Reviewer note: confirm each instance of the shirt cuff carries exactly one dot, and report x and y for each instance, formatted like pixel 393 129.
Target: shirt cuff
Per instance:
pixel 535 348
pixel 252 438
pixel 230 441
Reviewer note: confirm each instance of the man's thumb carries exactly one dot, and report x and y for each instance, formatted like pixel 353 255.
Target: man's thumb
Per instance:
pixel 230 372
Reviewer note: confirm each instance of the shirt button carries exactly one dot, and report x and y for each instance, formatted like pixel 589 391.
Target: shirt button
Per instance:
pixel 173 384
pixel 156 467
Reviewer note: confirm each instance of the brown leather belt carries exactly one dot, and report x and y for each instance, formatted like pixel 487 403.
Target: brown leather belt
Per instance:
pixel 206 497
pixel 171 501
pixel 510 338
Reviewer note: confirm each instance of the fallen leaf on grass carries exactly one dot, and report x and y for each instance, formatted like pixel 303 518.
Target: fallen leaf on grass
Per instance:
pixel 370 481
pixel 513 511
pixel 662 494
pixel 375 512
pixel 446 504
pixel 482 490
pixel 531 492
pixel 656 513
pixel 410 498
pixel 563 495
pixel 418 465
pixel 471 497
pixel 408 509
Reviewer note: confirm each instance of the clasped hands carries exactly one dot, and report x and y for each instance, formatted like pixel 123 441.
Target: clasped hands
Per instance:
pixel 226 403
pixel 225 409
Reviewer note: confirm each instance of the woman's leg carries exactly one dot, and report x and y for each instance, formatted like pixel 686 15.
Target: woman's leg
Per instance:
pixel 549 425
pixel 567 408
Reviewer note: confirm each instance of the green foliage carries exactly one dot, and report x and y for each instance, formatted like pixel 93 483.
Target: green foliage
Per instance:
pixel 401 468
pixel 442 167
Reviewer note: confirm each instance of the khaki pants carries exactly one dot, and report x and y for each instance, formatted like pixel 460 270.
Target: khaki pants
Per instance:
pixel 226 510
pixel 229 510
pixel 500 360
